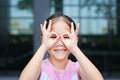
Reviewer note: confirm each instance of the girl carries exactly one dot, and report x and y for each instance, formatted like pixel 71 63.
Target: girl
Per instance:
pixel 59 38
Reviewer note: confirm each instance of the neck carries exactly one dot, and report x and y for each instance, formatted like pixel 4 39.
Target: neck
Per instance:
pixel 59 64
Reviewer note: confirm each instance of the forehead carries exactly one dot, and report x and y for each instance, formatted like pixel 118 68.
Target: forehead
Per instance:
pixel 60 27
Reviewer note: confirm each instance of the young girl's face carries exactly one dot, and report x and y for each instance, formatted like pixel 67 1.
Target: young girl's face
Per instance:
pixel 59 50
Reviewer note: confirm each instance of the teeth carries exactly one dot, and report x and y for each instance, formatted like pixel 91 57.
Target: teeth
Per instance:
pixel 59 50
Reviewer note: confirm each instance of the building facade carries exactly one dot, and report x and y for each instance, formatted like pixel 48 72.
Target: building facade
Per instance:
pixel 99 33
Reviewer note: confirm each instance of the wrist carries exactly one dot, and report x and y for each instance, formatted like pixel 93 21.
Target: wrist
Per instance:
pixel 43 46
pixel 74 49
pixel 77 52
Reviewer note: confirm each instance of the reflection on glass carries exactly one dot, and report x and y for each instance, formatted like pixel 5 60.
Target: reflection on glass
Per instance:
pixel 96 11
pixel 15 12
pixel 94 26
pixel 76 20
pixel 113 12
pixel 93 14
pixel 71 10
pixel 21 26
pixel 21 21
pixel 70 2
pixel 100 2
pixel 14 2
pixel 52 10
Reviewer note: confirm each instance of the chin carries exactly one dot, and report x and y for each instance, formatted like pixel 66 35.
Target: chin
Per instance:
pixel 59 55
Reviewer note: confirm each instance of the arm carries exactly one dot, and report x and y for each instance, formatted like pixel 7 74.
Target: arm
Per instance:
pixel 86 69
pixel 33 68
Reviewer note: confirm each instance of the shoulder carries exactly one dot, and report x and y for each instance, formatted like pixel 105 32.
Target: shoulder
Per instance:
pixel 45 66
pixel 73 65
pixel 45 62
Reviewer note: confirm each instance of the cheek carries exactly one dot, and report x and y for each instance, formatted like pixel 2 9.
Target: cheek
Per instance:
pixel 69 52
pixel 49 50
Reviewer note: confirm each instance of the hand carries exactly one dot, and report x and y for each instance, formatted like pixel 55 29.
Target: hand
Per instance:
pixel 49 38
pixel 70 39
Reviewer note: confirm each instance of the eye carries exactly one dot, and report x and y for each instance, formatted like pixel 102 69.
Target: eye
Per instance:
pixel 53 36
pixel 66 36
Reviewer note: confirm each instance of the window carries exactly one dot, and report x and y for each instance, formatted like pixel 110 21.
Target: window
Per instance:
pixel 99 29
pixel 16 34
pixel 89 13
pixel 21 20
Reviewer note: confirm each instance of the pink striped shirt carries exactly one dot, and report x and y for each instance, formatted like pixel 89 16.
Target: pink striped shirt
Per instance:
pixel 50 73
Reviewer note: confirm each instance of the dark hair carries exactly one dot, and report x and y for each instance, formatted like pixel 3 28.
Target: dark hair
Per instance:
pixel 57 16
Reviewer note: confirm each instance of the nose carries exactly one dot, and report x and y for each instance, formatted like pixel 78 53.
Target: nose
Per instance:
pixel 59 42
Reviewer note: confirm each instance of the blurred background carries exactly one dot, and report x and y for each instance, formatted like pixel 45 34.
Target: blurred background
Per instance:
pixel 20 33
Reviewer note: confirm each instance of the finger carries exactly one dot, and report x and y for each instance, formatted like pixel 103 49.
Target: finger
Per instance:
pixel 58 37
pixel 66 35
pixel 53 35
pixel 49 26
pixel 77 28
pixel 41 27
pixel 72 27
pixel 63 39
pixel 44 25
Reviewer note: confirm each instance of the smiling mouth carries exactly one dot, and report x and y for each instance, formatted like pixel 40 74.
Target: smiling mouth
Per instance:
pixel 60 50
